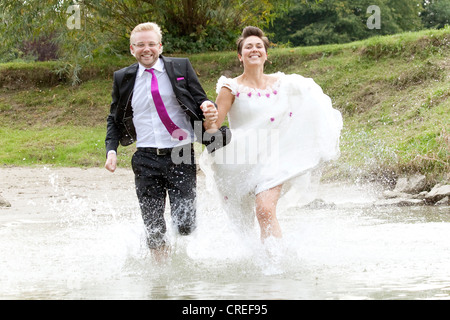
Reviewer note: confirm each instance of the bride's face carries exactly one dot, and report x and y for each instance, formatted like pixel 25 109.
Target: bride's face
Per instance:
pixel 253 52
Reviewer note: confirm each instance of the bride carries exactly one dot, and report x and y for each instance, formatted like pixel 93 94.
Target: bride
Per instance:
pixel 283 126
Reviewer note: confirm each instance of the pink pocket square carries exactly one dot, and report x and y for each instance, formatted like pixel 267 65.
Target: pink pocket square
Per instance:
pixel 179 79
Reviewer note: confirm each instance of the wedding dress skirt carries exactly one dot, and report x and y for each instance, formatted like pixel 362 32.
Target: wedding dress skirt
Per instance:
pixel 280 135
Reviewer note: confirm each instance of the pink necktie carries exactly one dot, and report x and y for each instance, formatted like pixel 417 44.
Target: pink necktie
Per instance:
pixel 173 129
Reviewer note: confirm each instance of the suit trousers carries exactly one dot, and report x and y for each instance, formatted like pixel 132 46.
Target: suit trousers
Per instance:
pixel 155 177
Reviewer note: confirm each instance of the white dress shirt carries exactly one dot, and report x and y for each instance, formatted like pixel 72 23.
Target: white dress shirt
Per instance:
pixel 150 130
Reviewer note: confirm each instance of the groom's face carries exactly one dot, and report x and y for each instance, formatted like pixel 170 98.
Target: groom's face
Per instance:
pixel 146 47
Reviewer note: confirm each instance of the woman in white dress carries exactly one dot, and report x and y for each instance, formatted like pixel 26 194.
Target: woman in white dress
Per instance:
pixel 283 126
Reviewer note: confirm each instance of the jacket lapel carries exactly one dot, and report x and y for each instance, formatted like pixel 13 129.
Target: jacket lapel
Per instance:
pixel 168 65
pixel 129 78
pixel 186 104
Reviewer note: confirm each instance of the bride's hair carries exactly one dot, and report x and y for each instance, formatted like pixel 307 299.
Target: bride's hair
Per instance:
pixel 252 31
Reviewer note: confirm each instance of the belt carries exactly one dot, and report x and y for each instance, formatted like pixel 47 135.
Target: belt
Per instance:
pixel 162 151
pixel 157 151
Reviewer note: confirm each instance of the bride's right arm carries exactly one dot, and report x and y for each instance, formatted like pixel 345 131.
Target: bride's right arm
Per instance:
pixel 224 101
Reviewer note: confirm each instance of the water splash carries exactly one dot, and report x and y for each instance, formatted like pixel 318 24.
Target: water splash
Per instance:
pixel 94 247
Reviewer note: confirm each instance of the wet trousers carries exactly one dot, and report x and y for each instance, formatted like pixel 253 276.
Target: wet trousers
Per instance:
pixel 156 176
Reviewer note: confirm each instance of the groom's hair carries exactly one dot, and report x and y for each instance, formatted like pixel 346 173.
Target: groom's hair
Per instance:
pixel 147 26
pixel 252 31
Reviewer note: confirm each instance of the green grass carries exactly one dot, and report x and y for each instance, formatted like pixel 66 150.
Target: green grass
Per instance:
pixel 392 91
pixel 61 146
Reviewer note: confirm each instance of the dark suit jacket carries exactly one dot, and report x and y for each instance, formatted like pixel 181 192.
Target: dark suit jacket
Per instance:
pixel 187 89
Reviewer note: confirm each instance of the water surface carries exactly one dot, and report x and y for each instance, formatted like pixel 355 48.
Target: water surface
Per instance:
pixel 93 248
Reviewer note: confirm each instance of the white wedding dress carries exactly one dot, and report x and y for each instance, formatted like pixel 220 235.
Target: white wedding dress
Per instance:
pixel 280 135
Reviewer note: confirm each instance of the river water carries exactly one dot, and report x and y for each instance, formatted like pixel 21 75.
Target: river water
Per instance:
pixel 89 247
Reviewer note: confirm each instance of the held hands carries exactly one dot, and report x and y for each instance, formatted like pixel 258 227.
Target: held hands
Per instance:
pixel 211 115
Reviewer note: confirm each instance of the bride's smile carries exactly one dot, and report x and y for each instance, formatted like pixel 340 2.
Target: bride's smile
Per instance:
pixel 253 51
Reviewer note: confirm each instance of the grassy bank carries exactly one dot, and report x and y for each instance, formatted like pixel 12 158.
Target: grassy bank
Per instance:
pixel 392 91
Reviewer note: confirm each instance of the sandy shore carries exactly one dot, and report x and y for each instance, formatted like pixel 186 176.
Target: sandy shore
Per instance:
pixel 31 191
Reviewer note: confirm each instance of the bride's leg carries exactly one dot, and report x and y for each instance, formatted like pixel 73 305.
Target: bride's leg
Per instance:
pixel 266 205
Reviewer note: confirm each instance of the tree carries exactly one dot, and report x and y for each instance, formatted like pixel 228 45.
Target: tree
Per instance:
pixel 103 26
pixel 436 13
pixel 190 25
pixel 343 21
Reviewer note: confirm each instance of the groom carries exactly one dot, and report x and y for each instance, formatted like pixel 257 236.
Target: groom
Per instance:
pixel 159 103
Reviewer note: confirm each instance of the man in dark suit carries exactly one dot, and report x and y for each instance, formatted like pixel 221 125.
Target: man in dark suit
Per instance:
pixel 159 103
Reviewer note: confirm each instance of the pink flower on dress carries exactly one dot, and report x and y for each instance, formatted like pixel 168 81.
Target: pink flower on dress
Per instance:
pixel 272 119
pixel 249 94
pixel 238 94
pixel 259 94
pixel 268 95
pixel 275 92
pixel 290 114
